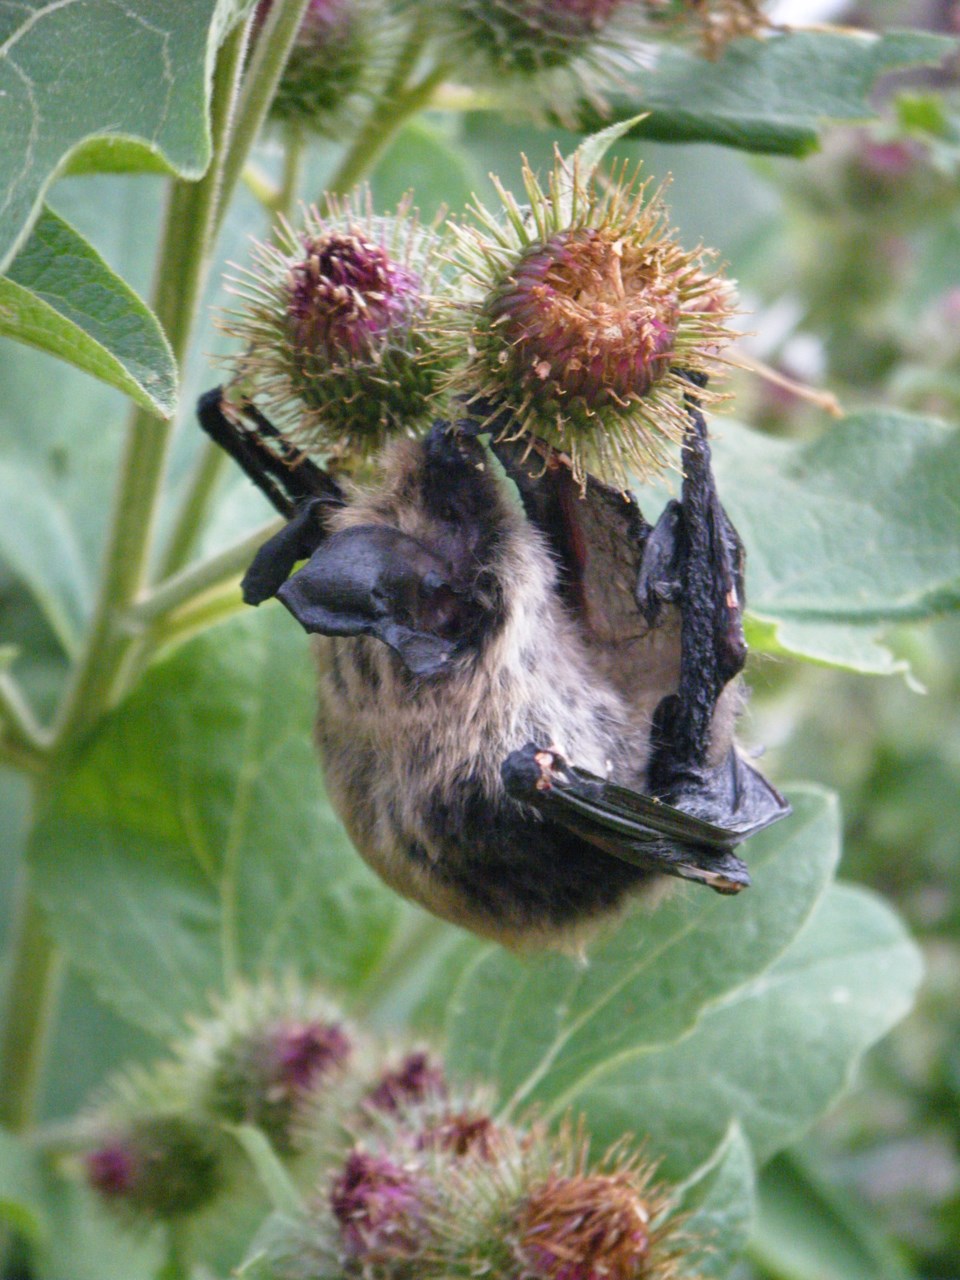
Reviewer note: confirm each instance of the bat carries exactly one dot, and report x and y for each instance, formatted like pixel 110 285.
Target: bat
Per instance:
pixel 526 708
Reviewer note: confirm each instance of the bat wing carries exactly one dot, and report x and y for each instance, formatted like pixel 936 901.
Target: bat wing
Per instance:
pixel 648 832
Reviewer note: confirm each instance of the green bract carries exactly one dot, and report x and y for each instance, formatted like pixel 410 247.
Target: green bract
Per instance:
pixel 337 326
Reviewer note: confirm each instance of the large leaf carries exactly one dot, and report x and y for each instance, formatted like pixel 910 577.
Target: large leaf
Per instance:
pixel 718 1207
pixel 705 1013
pixel 845 535
pixel 772 95
pixel 194 845
pixel 775 1053
pixel 541 1027
pixel 82 69
pixel 61 296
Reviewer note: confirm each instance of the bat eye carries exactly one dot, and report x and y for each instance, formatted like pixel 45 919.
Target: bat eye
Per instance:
pixel 441 611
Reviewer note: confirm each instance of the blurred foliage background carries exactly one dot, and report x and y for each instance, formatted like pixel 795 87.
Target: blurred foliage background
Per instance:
pixel 849 268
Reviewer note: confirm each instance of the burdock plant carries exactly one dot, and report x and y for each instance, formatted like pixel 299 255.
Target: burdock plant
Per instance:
pixel 584 319
pixel 337 331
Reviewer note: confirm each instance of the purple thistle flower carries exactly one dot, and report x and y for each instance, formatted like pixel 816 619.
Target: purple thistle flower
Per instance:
pixel 112 1169
pixel 417 1079
pixel 345 294
pixel 304 1053
pixel 379 1207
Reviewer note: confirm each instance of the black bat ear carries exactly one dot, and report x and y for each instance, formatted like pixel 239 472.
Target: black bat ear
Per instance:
pixel 376 581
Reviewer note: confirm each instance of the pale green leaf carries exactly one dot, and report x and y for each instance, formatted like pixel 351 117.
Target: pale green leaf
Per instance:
pixel 776 94
pixel 777 1052
pixel 718 1205
pixel 194 845
pixel 860 525
pixel 542 1027
pixel 59 295
pixel 81 69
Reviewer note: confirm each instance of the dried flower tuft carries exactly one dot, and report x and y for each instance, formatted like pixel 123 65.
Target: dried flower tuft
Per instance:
pixel 714 22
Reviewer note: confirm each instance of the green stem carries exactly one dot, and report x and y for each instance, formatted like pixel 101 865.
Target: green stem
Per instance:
pixel 33 987
pixel 292 169
pixel 210 463
pixel 181 268
pixel 192 513
pixel 177 1266
pixel 183 588
pixel 384 123
pixel 263 74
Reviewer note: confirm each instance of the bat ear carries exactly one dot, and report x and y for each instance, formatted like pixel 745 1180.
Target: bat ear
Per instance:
pixel 373 580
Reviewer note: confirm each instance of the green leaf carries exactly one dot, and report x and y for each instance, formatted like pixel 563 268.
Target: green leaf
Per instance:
pixel 22 1191
pixel 718 1204
pixel 592 150
pixel 542 1028
pixel 806 1229
pixel 831 644
pixel 770 95
pixel 776 1052
pixel 193 845
pixel 39 543
pixel 59 295
pixel 845 535
pixel 148 83
pixel 705 1013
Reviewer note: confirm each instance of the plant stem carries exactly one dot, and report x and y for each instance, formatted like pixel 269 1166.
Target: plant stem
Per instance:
pixel 385 121
pixel 183 588
pixel 211 460
pixel 266 65
pixel 181 266
pixel 292 169
pixel 191 517
pixel 34 984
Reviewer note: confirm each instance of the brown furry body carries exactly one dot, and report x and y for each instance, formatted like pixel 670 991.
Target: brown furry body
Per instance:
pixel 413 766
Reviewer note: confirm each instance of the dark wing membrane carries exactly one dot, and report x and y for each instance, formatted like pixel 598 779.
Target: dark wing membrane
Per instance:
pixel 279 470
pixel 641 829
pixel 596 533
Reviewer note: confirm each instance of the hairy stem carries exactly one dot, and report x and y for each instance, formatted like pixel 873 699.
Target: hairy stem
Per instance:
pixel 292 169
pixel 33 979
pixel 33 987
pixel 267 61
